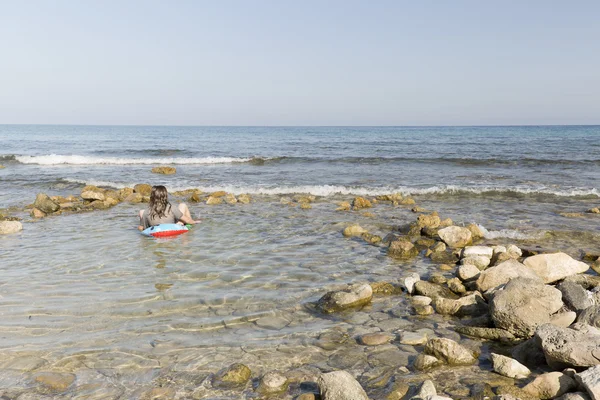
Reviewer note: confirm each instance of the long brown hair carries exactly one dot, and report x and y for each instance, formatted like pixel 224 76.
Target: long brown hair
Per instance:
pixel 159 200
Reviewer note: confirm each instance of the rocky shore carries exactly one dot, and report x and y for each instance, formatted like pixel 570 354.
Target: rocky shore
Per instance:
pixel 490 320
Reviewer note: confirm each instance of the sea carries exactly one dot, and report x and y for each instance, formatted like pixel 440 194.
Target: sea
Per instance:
pixel 86 294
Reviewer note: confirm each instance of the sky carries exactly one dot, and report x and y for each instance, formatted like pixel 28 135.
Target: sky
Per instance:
pixel 284 62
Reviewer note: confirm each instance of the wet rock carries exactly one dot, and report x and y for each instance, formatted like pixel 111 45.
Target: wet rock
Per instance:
pixel 54 381
pixel 456 286
pixel 402 249
pixel 476 232
pixel 497 334
pixel 433 290
pixel 134 198
pixel 424 242
pixel 234 376
pixel 45 204
pixel 340 385
pixel 438 247
pixel 523 305
pixel 375 339
pixel 503 273
pixel 590 316
pixel 575 296
pixel 564 347
pixel 438 278
pixel 407 282
pixel 429 221
pixel 272 383
pixel 407 201
pixel 590 381
pixel 370 238
pixel 431 233
pixel 423 310
pixel 90 195
pixel 425 391
pixel 230 198
pixel 123 193
pixel 343 206
pixel 472 304
pixel 274 323
pixel 449 351
pixel 354 296
pixel 164 170
pixel 473 251
pixel 8 227
pixel 413 338
pixel 142 188
pixel 213 201
pixel 360 202
pixel 307 396
pixel 354 230
pixel 468 272
pixel 385 288
pixel 455 236
pixel 424 362
pixel 554 267
pixel 481 262
pixel 421 300
pixel 244 199
pixel 550 385
pixel 332 340
pixel 594 210
pixel 509 367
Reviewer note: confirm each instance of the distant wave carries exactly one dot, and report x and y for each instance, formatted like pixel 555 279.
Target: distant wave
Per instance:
pixel 54 159
pixel 332 190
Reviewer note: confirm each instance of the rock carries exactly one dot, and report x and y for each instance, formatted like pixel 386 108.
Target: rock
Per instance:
pixel 455 236
pixel 360 202
pixel 164 170
pixel 497 334
pixel 574 396
pixel 426 391
pixel 472 304
pixel 402 249
pixel 8 227
pixel 370 238
pixel 340 385
pixel 407 282
pixel 385 288
pixel 431 221
pixel 468 272
pixel 142 188
pixel 509 367
pixel 45 204
pixel 437 277
pixel 481 262
pixel 476 232
pixel 91 195
pixel 37 213
pixel 306 396
pixel 134 198
pixel 353 230
pixel 510 392
pixel 273 323
pixel 354 296
pixel 234 376
pixel 123 193
pixel 272 383
pixel 503 273
pixel 413 338
pixel 2 167
pixel 54 381
pixel 343 206
pixel 244 199
pixel 563 319
pixel 439 247
pixel 590 380
pixel 513 251
pixel 213 201
pixel 564 347
pixel 588 282
pixel 424 362
pixel 423 310
pixel 550 385
pixel 471 251
pixel 523 305
pixel 433 290
pixel 456 286
pixel 575 296
pixel 449 351
pixel 230 199
pixel 220 193
pixel 590 316
pixel 375 339
pixel 554 267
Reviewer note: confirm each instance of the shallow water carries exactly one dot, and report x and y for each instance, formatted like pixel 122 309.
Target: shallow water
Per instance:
pixel 87 294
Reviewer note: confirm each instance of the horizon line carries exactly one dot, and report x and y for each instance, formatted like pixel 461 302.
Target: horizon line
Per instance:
pixel 311 126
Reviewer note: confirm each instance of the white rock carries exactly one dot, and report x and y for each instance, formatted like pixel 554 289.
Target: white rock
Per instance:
pixel 485 251
pixel 481 262
pixel 550 385
pixel 421 300
pixel 413 338
pixel 509 367
pixel 408 282
pixel 499 249
pixel 564 319
pixel 467 272
pixel 455 236
pixel 554 267
pixel 340 385
pixel 514 251
pixel 92 195
pixel 7 227
pixel 502 273
pixel 590 380
pixel 426 390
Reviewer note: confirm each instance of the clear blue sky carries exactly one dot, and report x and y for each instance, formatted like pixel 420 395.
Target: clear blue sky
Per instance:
pixel 284 62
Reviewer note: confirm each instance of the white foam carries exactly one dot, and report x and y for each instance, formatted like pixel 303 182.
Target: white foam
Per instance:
pixel 510 234
pixel 54 159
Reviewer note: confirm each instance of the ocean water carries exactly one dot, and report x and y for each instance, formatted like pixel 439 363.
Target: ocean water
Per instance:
pixel 85 293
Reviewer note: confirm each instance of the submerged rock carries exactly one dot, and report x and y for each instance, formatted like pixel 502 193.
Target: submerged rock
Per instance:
pixel 54 381
pixel 523 305
pixel 554 267
pixel 8 227
pixel 37 213
pixel 354 230
pixel 164 170
pixel 234 376
pixel 424 362
pixel 272 383
pixel 340 385
pixel 449 351
pixel 244 198
pixel 402 249
pixel 354 296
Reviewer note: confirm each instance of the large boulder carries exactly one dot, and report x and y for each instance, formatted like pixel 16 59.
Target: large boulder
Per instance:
pixel 340 385
pixel 554 267
pixel 46 204
pixel 8 227
pixel 590 380
pixel 353 296
pixel 449 351
pixel 455 236
pixel 565 347
pixel 523 305
pixel 503 273
pixel 550 385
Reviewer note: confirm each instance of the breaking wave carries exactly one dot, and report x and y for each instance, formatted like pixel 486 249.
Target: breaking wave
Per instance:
pixel 54 159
